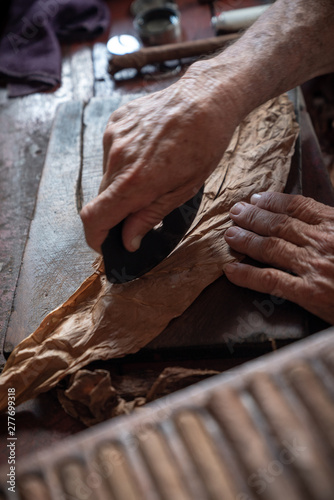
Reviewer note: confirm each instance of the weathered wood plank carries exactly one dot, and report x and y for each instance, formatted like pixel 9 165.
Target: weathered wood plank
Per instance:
pixel 25 125
pixel 24 129
pixel 96 116
pixel 56 258
pixel 82 73
pixel 103 82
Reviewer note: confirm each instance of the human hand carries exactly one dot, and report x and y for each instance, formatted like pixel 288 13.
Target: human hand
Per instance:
pixel 158 151
pixel 294 234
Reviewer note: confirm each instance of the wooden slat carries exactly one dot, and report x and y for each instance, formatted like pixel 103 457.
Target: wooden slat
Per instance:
pixel 23 138
pixel 82 73
pixel 96 115
pixel 104 84
pixel 56 258
pixel 25 125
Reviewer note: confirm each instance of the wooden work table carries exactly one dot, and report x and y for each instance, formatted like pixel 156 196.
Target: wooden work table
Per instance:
pixel 25 128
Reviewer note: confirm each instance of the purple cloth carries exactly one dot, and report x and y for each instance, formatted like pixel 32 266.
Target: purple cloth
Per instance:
pixel 30 53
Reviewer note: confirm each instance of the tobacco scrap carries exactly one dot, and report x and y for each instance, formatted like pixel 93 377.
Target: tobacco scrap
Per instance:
pixel 91 397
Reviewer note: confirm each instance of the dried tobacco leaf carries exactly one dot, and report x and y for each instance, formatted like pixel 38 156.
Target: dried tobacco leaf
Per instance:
pixel 91 396
pixel 103 321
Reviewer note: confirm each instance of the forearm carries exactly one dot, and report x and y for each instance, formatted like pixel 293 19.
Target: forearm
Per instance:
pixel 292 42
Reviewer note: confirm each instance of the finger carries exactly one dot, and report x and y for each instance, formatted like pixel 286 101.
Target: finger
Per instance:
pixel 107 144
pixel 139 209
pixel 267 223
pixel 269 250
pixel 97 219
pixel 271 281
pixel 297 206
pixel 139 223
pixel 106 210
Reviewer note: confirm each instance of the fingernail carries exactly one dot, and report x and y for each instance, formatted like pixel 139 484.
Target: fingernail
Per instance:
pixel 230 268
pixel 135 243
pixel 255 197
pixel 237 208
pixel 232 231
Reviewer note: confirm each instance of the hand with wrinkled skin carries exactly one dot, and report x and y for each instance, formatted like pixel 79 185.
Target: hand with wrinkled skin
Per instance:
pixel 294 235
pixel 159 149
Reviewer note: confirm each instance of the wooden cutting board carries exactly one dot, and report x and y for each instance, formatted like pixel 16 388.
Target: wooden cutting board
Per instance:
pixel 57 258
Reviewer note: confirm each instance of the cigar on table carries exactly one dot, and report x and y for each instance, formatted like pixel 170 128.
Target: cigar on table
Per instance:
pixel 161 53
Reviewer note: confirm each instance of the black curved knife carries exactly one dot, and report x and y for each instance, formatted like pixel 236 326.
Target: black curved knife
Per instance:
pixel 122 266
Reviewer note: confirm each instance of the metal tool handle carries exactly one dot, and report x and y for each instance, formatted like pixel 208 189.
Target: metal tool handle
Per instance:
pixel 161 53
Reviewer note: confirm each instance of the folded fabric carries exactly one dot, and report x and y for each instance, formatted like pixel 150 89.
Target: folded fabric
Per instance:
pixel 30 54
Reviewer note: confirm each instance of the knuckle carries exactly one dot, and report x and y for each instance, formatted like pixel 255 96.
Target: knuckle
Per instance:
pixel 270 281
pixel 325 242
pixel 128 180
pixel 297 204
pixel 118 114
pixel 108 137
pixel 128 185
pixel 297 290
pixel 150 218
pixel 330 215
pixel 115 153
pixel 86 215
pixel 325 268
pixel 274 285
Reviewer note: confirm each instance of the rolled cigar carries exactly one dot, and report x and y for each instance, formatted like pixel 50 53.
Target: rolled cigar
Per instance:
pixel 168 52
pixel 239 19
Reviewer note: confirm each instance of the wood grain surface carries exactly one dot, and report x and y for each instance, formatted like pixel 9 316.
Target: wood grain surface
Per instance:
pixel 56 236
